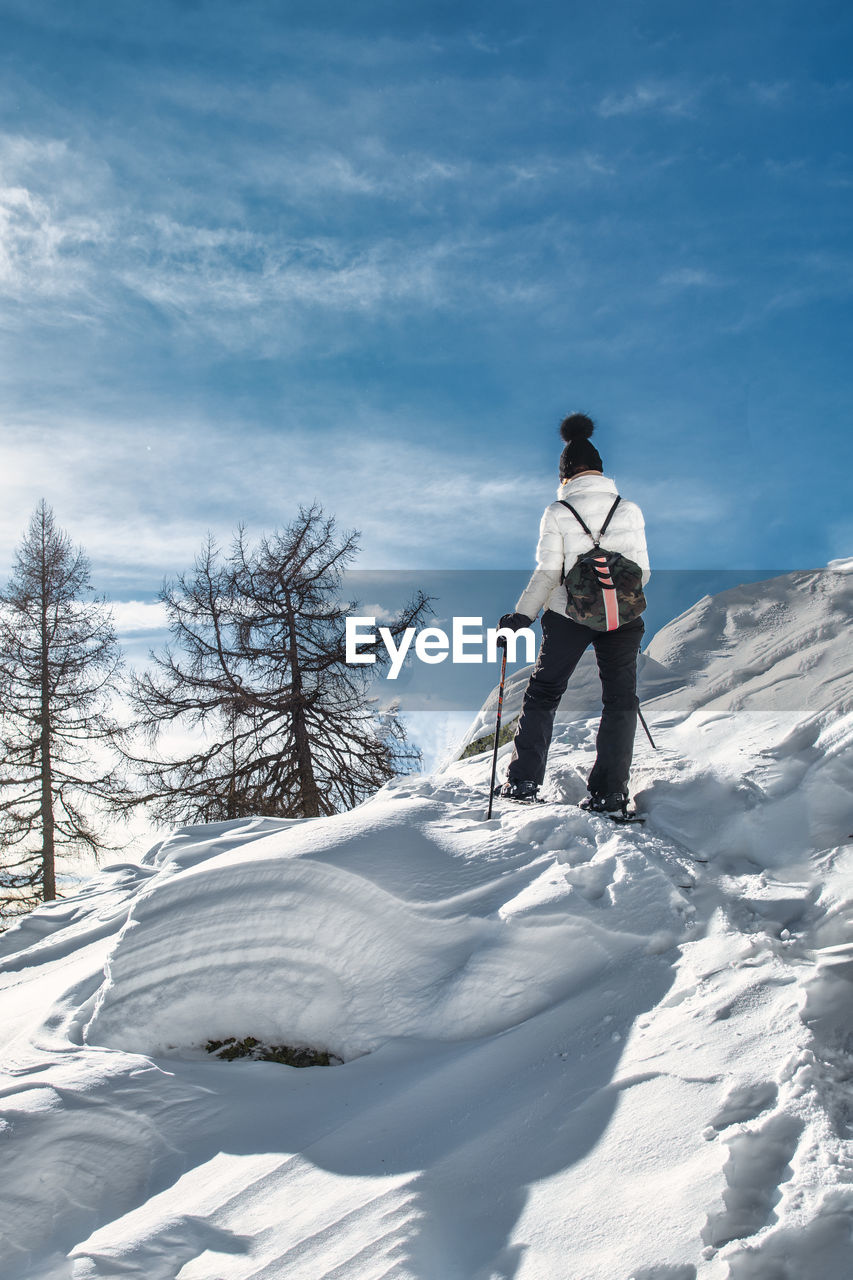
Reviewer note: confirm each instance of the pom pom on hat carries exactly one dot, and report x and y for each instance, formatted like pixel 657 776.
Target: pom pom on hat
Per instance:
pixel 576 427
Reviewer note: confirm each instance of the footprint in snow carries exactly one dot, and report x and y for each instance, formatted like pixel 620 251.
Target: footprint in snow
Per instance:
pixel 745 1102
pixel 592 879
pixel 758 1164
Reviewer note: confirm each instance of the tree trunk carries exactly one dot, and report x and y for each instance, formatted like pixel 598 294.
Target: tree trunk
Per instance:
pixel 302 742
pixel 48 853
pixel 231 803
pixel 48 849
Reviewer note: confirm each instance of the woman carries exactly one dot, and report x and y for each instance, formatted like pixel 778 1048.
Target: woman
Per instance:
pixel 562 539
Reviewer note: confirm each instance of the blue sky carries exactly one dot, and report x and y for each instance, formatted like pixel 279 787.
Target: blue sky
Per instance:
pixel 257 253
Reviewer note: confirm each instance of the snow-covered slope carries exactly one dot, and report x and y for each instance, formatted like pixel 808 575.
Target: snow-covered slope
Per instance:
pixel 570 1049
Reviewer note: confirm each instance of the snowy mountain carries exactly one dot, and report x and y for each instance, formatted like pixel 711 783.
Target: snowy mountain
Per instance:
pixel 570 1050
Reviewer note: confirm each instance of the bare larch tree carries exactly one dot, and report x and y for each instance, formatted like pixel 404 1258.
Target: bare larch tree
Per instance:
pixel 59 658
pixel 256 672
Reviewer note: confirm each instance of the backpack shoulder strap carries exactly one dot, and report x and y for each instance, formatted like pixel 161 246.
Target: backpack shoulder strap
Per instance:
pixel 609 517
pixel 583 524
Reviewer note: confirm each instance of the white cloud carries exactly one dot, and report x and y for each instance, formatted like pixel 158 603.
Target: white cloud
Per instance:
pixel 653 95
pixel 201 280
pixel 369 169
pixel 135 617
pixel 141 498
pixel 41 249
pixel 73 251
pixel 48 229
pixel 379 612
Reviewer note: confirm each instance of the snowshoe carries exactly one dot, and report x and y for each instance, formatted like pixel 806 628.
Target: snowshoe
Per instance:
pixel 522 792
pixel 597 802
pixel 613 806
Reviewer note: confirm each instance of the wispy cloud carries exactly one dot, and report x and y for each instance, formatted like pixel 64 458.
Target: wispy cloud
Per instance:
pixel 141 498
pixel 263 219
pixel 771 93
pixel 813 277
pixel 691 278
pixel 649 96
pixel 50 229
pixel 256 291
pixel 43 251
pixel 245 283
pixel 792 167
pixel 691 504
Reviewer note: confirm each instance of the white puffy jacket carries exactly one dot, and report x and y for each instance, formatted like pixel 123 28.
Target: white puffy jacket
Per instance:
pixel 562 540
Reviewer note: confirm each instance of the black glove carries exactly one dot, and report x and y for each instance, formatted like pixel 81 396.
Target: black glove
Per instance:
pixel 514 622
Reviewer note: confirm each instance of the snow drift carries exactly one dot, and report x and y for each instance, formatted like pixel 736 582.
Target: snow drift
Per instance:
pixel 571 1049
pixel 302 952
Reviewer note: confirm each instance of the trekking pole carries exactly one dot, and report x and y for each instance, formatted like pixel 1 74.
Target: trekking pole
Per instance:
pixel 497 731
pixel 646 727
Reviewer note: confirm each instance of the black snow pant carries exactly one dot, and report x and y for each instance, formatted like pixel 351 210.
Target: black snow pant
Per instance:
pixel 563 643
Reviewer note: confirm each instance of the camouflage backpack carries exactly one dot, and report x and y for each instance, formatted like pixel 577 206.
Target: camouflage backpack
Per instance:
pixel 604 589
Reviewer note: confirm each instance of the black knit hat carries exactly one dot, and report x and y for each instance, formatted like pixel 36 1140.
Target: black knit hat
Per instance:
pixel 579 454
